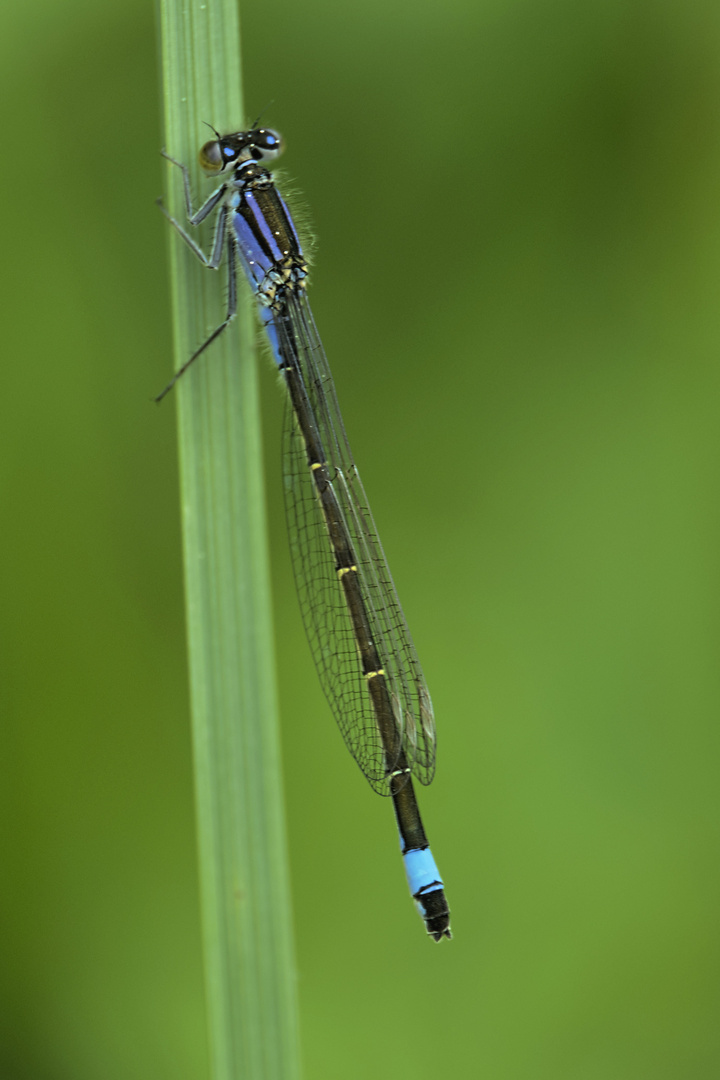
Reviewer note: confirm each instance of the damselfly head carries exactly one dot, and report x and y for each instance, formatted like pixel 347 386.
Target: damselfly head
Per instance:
pixel 260 144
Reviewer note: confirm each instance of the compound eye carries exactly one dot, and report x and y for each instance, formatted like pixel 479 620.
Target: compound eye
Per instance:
pixel 268 144
pixel 212 159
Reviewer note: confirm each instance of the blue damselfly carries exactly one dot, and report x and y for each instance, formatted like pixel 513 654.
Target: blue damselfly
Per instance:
pixel 359 639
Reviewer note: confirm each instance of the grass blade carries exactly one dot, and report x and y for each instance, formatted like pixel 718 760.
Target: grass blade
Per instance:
pixel 242 847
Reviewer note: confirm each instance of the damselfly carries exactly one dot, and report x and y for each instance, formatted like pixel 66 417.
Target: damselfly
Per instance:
pixel 359 639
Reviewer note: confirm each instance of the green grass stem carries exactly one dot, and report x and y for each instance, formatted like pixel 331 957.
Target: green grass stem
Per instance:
pixel 247 925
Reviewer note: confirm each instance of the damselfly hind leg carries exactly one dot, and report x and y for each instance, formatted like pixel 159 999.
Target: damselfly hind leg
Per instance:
pixel 212 261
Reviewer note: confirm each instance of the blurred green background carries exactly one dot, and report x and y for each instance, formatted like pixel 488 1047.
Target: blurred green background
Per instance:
pixel 516 279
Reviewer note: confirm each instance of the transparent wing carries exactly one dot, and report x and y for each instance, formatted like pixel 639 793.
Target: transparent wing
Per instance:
pixel 322 598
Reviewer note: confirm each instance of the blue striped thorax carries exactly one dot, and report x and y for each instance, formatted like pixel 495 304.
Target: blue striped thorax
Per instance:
pixel 267 241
